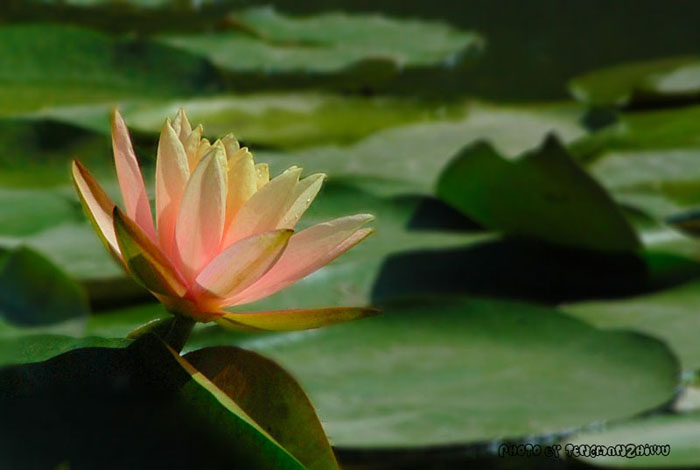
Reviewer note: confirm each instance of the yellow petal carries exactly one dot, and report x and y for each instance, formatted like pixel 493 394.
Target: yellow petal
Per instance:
pixel 172 173
pixel 262 172
pixel 291 320
pixel 191 146
pixel 243 263
pixel 302 197
pixel 241 183
pixel 97 206
pixel 200 223
pixel 264 210
pixel 231 145
pixel 181 125
pixel 136 201
pixel 145 260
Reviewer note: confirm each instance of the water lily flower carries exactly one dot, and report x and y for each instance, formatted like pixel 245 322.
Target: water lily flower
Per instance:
pixel 223 232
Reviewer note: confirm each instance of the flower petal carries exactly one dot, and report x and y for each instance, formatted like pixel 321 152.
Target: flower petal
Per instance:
pixel 292 320
pixel 262 172
pixel 200 222
pixel 133 190
pixel 302 197
pixel 243 263
pixel 307 251
pixel 241 183
pixel 191 145
pixel 98 207
pixel 264 210
pixel 231 145
pixel 172 173
pixel 145 260
pixel 181 125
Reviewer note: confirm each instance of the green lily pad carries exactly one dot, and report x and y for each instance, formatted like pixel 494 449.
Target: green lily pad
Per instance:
pixel 263 40
pixel 409 159
pixel 670 315
pixel 642 82
pixel 672 440
pixel 278 119
pixel 463 371
pixel 140 405
pixel 36 72
pixel 543 194
pixel 271 397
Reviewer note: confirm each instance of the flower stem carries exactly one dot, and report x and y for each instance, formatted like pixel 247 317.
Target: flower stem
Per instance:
pixel 179 332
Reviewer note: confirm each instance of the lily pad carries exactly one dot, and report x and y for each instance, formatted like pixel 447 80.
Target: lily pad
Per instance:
pixel 264 40
pixel 464 371
pixel 278 119
pixel 671 438
pixel 670 315
pixel 409 159
pixel 543 194
pixel 36 72
pixel 664 80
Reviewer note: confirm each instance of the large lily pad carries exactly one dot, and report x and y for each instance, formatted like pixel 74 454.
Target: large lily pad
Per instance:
pixel 664 80
pixel 670 315
pixel 264 40
pixel 410 158
pixel 428 374
pixel 543 194
pixel 272 119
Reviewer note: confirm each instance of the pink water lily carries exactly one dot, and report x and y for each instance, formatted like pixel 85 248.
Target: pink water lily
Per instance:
pixel 223 232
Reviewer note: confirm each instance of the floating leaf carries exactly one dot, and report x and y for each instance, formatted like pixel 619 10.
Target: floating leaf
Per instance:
pixel 670 315
pixel 455 372
pixel 266 41
pixel 36 71
pixel 664 80
pixel 543 194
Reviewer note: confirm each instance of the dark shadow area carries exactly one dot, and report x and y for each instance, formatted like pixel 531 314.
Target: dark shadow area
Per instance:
pixel 527 270
pixel 432 214
pixel 112 409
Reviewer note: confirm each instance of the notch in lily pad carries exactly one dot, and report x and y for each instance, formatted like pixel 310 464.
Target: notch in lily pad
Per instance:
pixel 542 194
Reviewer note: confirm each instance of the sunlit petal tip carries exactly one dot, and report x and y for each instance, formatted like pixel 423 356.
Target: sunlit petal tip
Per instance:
pixel 145 261
pixel 294 320
pixel 231 144
pixel 98 207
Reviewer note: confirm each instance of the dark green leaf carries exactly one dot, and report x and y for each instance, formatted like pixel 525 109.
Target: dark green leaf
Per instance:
pixel 271 397
pixel 543 194
pixel 141 406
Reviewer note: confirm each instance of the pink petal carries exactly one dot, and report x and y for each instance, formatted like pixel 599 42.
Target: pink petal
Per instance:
pixel 172 173
pixel 200 223
pixel 241 183
pixel 133 190
pixel 264 210
pixel 307 251
pixel 243 263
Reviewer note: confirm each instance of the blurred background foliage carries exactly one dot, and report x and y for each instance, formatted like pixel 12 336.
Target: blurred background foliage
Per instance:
pixel 534 169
